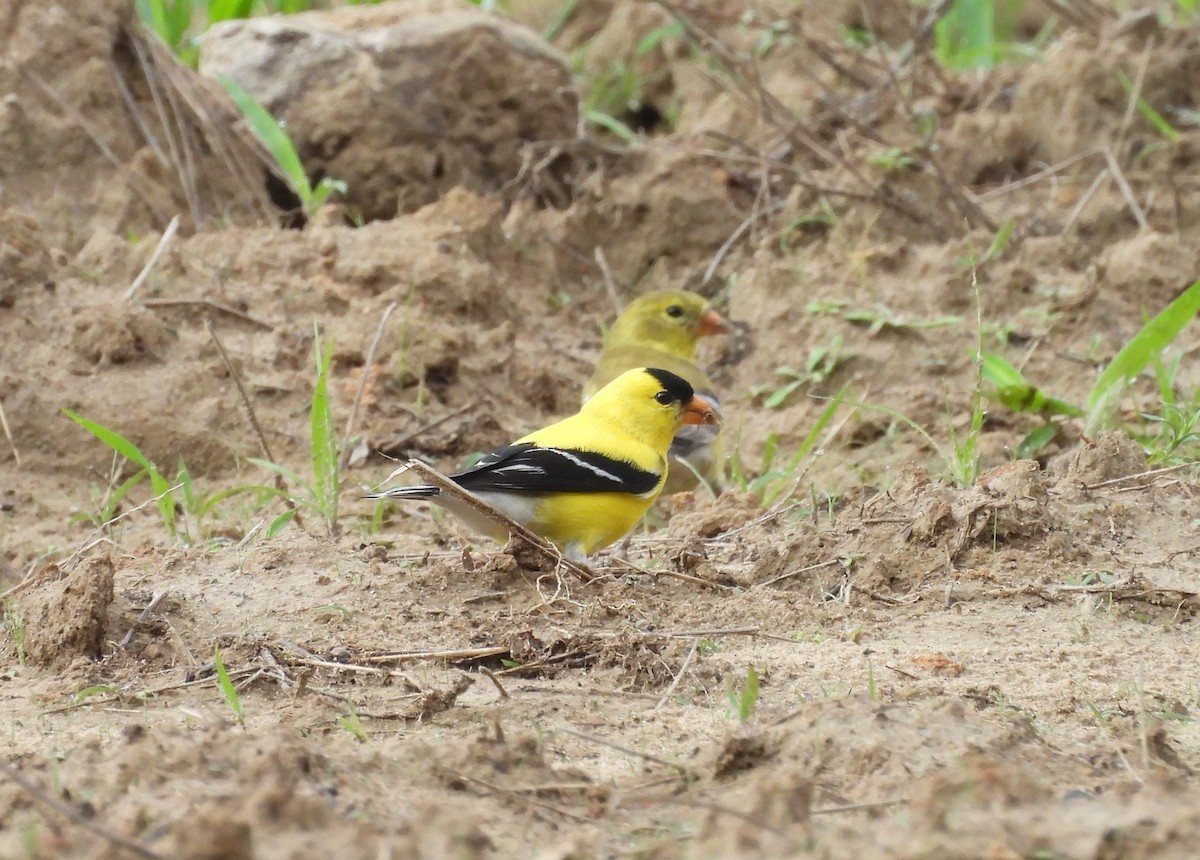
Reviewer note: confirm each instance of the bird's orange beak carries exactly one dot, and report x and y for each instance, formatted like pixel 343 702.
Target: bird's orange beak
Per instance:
pixel 711 322
pixel 700 411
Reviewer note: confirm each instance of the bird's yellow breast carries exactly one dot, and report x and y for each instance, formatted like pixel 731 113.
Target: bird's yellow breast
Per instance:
pixel 581 523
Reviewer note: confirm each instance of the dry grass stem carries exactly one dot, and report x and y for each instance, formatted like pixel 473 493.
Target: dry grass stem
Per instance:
pixel 210 305
pixel 362 382
pixel 400 443
pixel 670 691
pixel 610 284
pixel 682 770
pixel 263 445
pixel 833 562
pixel 142 618
pixel 8 435
pixel 1152 473
pixel 448 654
pixel 1126 191
pixel 164 242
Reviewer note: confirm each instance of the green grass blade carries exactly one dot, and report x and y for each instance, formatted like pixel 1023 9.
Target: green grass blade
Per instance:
pixel 1000 241
pixel 168 19
pixel 271 133
pixel 226 10
pixel 280 522
pixel 614 125
pixel 116 496
pixel 95 690
pixel 153 14
pixel 227 689
pixel 283 471
pixel 1035 440
pixel 744 702
pixel 1152 116
pixel 326 482
pixel 818 427
pixel 261 490
pixel 1017 394
pixel 112 439
pixel 781 394
pixel 159 485
pixel 966 35
pixel 1000 373
pixel 1154 337
pixel 561 19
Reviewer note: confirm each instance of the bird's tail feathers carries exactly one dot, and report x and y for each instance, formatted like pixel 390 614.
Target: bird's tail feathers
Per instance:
pixel 421 491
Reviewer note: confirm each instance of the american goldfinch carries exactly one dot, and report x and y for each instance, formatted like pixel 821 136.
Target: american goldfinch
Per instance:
pixel 663 329
pixel 585 481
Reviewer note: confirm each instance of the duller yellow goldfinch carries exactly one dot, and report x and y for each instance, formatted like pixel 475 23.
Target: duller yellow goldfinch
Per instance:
pixel 663 329
pixel 585 481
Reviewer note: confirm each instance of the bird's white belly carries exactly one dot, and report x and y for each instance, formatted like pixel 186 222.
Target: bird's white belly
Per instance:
pixel 520 508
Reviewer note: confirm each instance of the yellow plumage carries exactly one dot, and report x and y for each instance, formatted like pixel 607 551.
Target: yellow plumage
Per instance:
pixel 585 481
pixel 663 329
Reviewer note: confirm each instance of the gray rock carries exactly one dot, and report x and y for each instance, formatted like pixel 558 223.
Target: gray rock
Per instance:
pixel 402 101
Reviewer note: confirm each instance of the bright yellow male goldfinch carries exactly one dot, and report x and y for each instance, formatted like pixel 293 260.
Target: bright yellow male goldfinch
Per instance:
pixel 663 329
pixel 585 481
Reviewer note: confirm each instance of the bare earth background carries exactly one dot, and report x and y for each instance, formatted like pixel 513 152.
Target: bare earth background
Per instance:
pixel 1006 670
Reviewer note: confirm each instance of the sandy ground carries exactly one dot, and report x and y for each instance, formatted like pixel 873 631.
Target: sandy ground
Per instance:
pixel 1003 670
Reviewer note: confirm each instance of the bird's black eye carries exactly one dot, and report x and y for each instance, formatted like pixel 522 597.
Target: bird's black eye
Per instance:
pixel 665 398
pixel 674 311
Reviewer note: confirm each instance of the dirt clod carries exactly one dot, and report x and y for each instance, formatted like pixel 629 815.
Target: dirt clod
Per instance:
pixel 65 615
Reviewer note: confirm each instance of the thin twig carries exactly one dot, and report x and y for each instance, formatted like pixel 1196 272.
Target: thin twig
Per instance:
pixel 859 807
pixel 522 793
pixel 172 86
pixel 237 380
pixel 791 573
pixel 746 224
pixel 1036 177
pixel 362 383
pixel 672 574
pixel 143 695
pixel 1126 190
pixel 123 843
pixel 712 806
pixel 682 769
pixel 143 616
pixel 8 435
pixel 491 676
pixel 339 667
pixel 610 285
pixel 1135 94
pixel 547 549
pixel 131 105
pixel 399 443
pixel 1150 474
pixel 447 654
pixel 687 661
pixel 749 630
pixel 748 84
pixel 1083 201
pixel 163 243
pixel 99 531
pixel 162 88
pixel 211 305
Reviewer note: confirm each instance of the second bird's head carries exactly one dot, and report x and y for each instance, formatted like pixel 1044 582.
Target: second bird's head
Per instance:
pixel 673 320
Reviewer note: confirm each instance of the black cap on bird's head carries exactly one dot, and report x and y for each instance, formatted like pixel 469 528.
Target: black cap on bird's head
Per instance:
pixel 679 388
